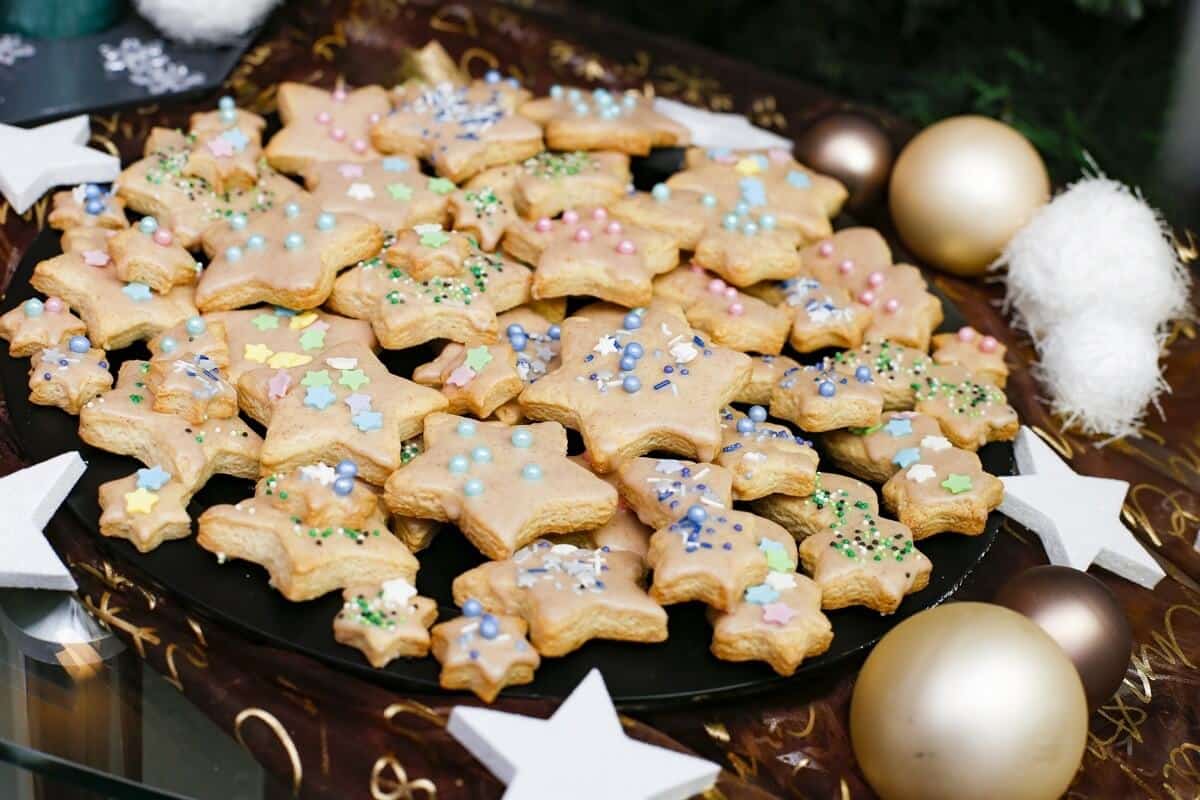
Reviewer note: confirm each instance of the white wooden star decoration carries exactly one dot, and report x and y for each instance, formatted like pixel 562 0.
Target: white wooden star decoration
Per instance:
pixel 31 496
pixel 37 159
pixel 581 752
pixel 1077 517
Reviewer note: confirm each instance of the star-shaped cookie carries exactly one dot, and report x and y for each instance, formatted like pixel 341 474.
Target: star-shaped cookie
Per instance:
pixel 149 253
pixel 385 622
pixel 68 376
pixel 782 631
pixel 661 490
pixel 982 355
pixel 147 508
pixel 37 324
pixel 880 451
pixel 836 500
pixel 227 146
pixel 391 191
pixel 733 319
pixel 945 489
pixel 820 397
pixel 970 413
pixel 321 125
pixel 575 119
pixel 763 457
pixel 483 652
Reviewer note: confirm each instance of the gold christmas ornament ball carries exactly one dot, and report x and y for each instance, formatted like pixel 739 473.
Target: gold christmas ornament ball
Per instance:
pixel 968 701
pixel 960 190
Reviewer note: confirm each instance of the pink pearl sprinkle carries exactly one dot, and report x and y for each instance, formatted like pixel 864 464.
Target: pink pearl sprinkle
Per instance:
pixel 570 216
pixel 736 309
pixel 542 225
pixel 966 333
pixel 892 306
pixel 866 297
pixel 825 250
pixel 696 268
pixel 716 286
pixel 583 235
pixel 339 94
pixel 374 117
pixel 846 267
pixel 626 247
pixel 53 305
pixel 988 344
pixel 730 292
pixel 323 117
pixel 359 146
pixel 599 214
pixel 875 279
pixel 613 228
pixel 337 134
pixel 163 237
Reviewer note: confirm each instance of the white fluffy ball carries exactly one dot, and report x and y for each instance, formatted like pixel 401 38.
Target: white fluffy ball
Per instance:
pixel 1097 245
pixel 210 22
pixel 1101 371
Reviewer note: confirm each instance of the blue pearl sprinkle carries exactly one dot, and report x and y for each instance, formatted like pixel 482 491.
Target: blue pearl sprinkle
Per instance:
pixel 632 321
pixel 863 374
pixel 226 103
pixel 697 514
pixel 472 608
pixel 554 332
pixel 473 487
pixel 293 241
pixel 489 627
pixel 94 206
pixel 466 428
pixel 827 389
pixel 750 228
pixel 148 225
pixel 628 363
pixel 325 221
pixel 661 192
pixel 514 329
pixel 291 210
pixel 745 425
pixel 195 326
pixel 346 468
pixel 634 349
pixel 758 413
pixel 238 221
pixel 79 344
pixel 518 341
pixel 343 486
pixel 481 455
pixel 33 308
pixel 228 116
pixel 167 345
pixel 730 221
pixel 233 253
pixel 708 200
pixel 767 222
pixel 631 384
pixel 256 242
pixel 556 92
pixel 742 208
pixel 491 76
pixel 92 191
pixel 531 472
pixel 459 464
pixel 521 437
pixel 582 109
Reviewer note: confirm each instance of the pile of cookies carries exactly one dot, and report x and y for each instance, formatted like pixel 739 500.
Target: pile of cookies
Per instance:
pixel 460 218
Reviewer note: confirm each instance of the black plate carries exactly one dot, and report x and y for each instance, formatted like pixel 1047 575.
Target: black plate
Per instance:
pixel 678 671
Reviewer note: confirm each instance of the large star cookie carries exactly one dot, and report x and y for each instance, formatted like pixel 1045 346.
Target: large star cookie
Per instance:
pixel 391 192
pixel 575 119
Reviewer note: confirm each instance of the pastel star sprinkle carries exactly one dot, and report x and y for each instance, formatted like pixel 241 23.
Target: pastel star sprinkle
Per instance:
pixel 435 238
pixel 258 353
pixel 351 171
pixel 137 292
pixel 312 339
pixel 265 322
pixel 279 384
pixel 799 179
pixel 957 484
pixel 95 258
pixel 778 613
pixel 319 397
pixel 316 377
pixel 907 456
pixel 302 321
pixel 762 594
pixel 399 191
pixel 779 581
pixel 395 165
pixel 368 421
pixel 441 186
pixel 936 443
pixel 355 379
pixel 360 191
pixel 919 473
pixel 899 426
pixel 461 376
pixel 140 501
pixel 478 358
pixel 220 147
pixel 322 473
pixel 153 478
pixel 358 403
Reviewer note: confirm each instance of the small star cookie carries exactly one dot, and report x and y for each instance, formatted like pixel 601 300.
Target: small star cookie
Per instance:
pixel 782 631
pixel 148 253
pixel 37 324
pixel 68 376
pixel 945 490
pixel 385 622
pixel 483 653
pixel 661 490
pixel 764 458
pixel 321 125
pixel 87 206
pixel 970 413
pixel 192 387
pixel 575 119
pixel 820 397
pixel 822 316
pixel 392 192
pixel 227 146
pixel 880 451
pixel 982 355
pixel 147 508
pixel 733 319
pixel 766 371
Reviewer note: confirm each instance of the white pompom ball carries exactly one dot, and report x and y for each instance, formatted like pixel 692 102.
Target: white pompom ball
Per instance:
pixel 1102 372
pixel 1097 245
pixel 210 22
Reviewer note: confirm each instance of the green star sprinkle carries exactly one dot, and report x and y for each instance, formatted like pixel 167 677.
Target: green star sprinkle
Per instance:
pixel 957 484
pixel 265 322
pixel 354 378
pixel 441 186
pixel 478 358
pixel 316 377
pixel 778 560
pixel 399 191
pixel 434 239
pixel 312 339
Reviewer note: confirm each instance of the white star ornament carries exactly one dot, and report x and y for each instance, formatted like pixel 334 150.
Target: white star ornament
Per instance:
pixel 28 499
pixel 35 160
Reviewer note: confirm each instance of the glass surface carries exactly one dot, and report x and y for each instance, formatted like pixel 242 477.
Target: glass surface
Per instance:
pixel 106 724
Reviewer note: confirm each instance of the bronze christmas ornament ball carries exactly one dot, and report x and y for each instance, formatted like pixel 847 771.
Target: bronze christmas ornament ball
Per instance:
pixel 852 147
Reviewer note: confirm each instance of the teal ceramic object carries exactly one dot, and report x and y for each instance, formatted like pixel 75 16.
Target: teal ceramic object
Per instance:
pixel 56 19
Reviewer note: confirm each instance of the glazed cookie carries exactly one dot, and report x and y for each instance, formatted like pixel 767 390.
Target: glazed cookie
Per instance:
pixel 945 490
pixel 460 130
pixel 636 382
pixel 405 312
pixel 150 255
pixel 504 486
pixel 730 318
pixel 661 490
pixel 779 622
pixel 347 405
pixel 287 256
pixel 158 186
pixel 869 562
pixel 982 355
pixel 197 335
pixel 586 253
pixel 765 372
pixel 391 192
pixel 822 316
pixel 191 386
pixel 147 508
pixel 568 595
pixel 483 653
pixel 575 119
pixel 124 421
pixel 87 206
pixel 227 146
pixel 116 313
pixel 38 324
pixel 320 125
pixel 385 621
pixel 713 557
pixel 736 241
pixel 898 370
pixel 68 376
pixel 819 397
pixel 970 413
pixel 878 452
pixel 314 529
pixel 764 458
pixel 836 499
pixel 767 183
